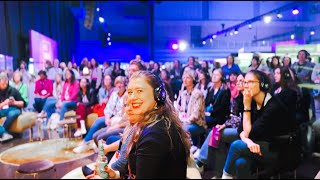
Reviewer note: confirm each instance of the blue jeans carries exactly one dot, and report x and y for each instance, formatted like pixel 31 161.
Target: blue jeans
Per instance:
pixel 195 131
pixel 103 134
pixel 98 124
pixel 11 114
pixel 39 103
pixel 67 106
pixel 50 106
pixel 240 159
pixel 218 155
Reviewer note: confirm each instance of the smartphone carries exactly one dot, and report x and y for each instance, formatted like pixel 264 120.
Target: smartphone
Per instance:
pixel 86 171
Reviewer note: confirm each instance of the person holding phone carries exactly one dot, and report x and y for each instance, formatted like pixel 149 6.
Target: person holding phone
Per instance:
pixel 11 103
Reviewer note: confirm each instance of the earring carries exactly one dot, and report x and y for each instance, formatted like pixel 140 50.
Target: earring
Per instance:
pixel 156 106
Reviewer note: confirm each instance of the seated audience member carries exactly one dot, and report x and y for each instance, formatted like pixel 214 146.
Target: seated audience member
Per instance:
pixel 54 70
pixel 96 75
pixel 156 69
pixel 84 63
pixel 86 100
pixel 68 100
pixel 104 94
pixel 228 133
pixel 232 85
pixel 20 86
pixel 255 63
pixel 165 77
pixel 43 90
pixel 264 118
pixel 286 61
pixel 48 108
pixel 159 146
pixel 107 68
pixel 117 71
pixel 190 105
pixel 23 69
pixel 218 100
pixel 75 72
pixel 176 81
pixel 112 113
pixel 11 103
pixel 204 82
pixel 285 88
pixel 230 67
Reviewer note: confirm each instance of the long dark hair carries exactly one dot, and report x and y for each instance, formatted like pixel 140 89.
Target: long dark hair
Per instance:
pixel 165 112
pixel 73 78
pixel 287 79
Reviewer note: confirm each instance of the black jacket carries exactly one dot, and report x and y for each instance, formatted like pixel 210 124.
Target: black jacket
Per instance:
pixel 151 157
pixel 220 103
pixel 92 98
pixel 10 91
pixel 271 120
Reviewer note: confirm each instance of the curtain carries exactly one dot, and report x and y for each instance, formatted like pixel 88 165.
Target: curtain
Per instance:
pixel 50 18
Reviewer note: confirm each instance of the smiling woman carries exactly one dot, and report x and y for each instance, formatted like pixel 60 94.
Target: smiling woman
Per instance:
pixel 159 147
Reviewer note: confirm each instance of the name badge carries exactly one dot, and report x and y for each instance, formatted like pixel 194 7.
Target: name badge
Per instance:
pixel 44 92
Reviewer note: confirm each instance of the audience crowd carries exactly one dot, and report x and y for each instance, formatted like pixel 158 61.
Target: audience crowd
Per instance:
pixel 252 108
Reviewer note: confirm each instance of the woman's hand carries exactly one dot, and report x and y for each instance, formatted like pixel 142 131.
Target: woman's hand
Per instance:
pixel 112 173
pixel 247 98
pixel 220 127
pixel 254 148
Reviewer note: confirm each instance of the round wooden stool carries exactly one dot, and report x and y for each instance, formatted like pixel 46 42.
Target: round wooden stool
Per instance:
pixel 34 168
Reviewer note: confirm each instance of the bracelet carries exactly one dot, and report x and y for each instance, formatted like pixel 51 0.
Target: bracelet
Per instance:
pixel 247 110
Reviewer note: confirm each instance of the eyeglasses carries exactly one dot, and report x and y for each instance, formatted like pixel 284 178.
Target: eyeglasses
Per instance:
pixel 249 83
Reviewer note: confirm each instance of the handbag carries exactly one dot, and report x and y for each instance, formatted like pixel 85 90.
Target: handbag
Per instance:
pixel 99 109
pixel 214 138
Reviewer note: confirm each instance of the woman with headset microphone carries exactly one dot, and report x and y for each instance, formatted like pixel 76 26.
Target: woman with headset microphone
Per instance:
pixel 159 147
pixel 264 119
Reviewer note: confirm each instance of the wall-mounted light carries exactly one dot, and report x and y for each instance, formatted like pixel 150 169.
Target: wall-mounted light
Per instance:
pixel 214 36
pixel 292 36
pixel 236 32
pixel 101 19
pixel 295 11
pixel 98 9
pixel 204 42
pixel 312 33
pixel 250 26
pixel 279 16
pixel 267 19
pixel 211 40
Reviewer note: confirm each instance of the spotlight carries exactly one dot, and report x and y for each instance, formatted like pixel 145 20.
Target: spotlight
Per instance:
pixel 108 39
pixel 203 42
pixel 267 19
pixel 292 36
pixel 109 43
pixel 279 16
pixel 109 34
pixel 182 46
pixel 263 42
pixel 211 40
pixel 295 11
pixel 98 9
pixel 174 46
pixel 231 33
pixel 214 36
pixel 236 31
pixel 312 33
pixel 250 26
pixel 101 19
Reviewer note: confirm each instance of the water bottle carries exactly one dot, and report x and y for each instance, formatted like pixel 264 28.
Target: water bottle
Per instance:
pixel 102 161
